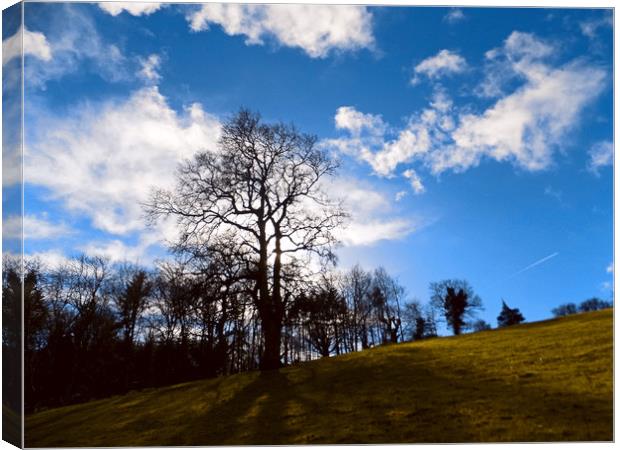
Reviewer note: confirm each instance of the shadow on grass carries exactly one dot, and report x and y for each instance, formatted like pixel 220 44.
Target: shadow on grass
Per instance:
pixel 478 389
pixel 374 403
pixel 11 426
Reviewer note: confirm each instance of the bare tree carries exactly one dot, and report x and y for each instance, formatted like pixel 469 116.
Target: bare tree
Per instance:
pixel 386 297
pixel 456 300
pixel 262 189
pixel 357 289
pixel 131 289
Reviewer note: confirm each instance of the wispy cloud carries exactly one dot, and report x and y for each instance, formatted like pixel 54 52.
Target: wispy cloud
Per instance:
pixel 554 193
pixel 444 63
pixel 590 28
pixel 525 127
pixel 33 227
pixel 74 47
pixel 454 15
pixel 601 155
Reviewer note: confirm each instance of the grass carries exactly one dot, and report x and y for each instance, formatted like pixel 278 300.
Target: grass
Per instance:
pixel 544 381
pixel 11 425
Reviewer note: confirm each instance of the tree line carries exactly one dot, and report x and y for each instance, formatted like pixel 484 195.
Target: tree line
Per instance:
pixel 591 304
pixel 94 329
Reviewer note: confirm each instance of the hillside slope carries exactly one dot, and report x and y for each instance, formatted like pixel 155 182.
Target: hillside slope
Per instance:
pixel 544 381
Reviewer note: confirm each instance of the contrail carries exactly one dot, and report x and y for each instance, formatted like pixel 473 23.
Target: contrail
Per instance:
pixel 534 264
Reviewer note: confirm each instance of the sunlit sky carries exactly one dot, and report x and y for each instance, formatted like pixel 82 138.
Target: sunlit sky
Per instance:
pixel 474 143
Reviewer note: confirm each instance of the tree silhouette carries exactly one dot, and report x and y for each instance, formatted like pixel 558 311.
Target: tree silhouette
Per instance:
pixel 261 189
pixel 564 310
pixel 130 295
pixel 456 300
pixel 509 316
pixel 357 289
pixel 321 312
pixel 594 304
pixel 480 325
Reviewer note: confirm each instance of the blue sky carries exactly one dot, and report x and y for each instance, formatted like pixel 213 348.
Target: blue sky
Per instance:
pixel 474 142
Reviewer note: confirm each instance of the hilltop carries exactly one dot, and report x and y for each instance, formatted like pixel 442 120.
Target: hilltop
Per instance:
pixel 542 381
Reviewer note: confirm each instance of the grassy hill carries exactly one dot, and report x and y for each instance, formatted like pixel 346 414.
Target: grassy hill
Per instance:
pixel 544 381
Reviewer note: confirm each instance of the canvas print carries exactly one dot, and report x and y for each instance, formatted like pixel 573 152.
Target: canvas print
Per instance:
pixel 248 224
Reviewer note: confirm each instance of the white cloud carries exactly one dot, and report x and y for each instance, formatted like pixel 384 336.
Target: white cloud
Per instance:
pixel 316 29
pixel 383 154
pixel 400 195
pixel 516 60
pixel 34 44
pixel 409 143
pixel 415 181
pixel 590 28
pixel 524 127
pixel 348 118
pixel 50 259
pixel 150 66
pixel 117 251
pixel 601 155
pixel 385 150
pixel 34 227
pixel 443 63
pixel 104 159
pixel 133 8
pixel 11 128
pixel 454 15
pixel 368 233
pixel 610 268
pixel 522 47
pixel 372 218
pixel 76 45
pixel 11 163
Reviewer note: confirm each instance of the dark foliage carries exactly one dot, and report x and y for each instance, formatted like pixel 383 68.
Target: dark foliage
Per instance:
pixel 564 310
pixel 480 325
pixel 11 336
pixel 594 304
pixel 94 329
pixel 509 316
pixel 456 300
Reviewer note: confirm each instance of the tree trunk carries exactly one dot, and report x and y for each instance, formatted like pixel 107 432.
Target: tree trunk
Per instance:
pixel 272 329
pixel 273 315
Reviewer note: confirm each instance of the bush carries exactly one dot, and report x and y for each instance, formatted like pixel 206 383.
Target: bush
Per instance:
pixel 509 316
pixel 594 304
pixel 564 310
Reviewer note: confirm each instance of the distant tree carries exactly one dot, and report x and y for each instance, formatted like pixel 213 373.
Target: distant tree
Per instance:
pixel 11 331
pixel 320 312
pixel 509 316
pixel 456 300
pixel 420 331
pixel 385 296
pixel 430 322
pixel 594 304
pixel 412 311
pixel 131 290
pixel 564 310
pixel 357 289
pixel 480 325
pixel 35 320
